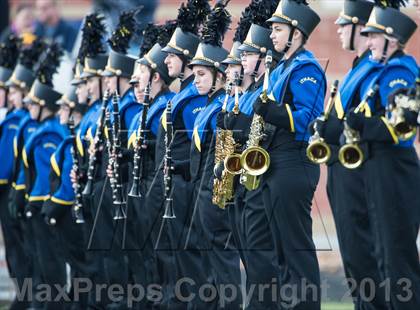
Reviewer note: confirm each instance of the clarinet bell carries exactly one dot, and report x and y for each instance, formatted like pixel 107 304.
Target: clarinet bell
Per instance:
pixel 120 213
pixel 169 210
pixel 135 190
pixel 88 188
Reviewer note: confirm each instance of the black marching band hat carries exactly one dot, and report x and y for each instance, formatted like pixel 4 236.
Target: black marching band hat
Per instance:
pixel 151 54
pixel 387 19
pixel 119 63
pixel 355 12
pixel 23 75
pixel 70 99
pixel 234 57
pixel 42 91
pixel 184 40
pixel 8 51
pixel 95 54
pixel 258 36
pixel 297 14
pixel 210 52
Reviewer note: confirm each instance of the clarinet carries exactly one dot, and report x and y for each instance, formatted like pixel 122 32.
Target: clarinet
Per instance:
pixel 115 160
pixel 98 141
pixel 77 207
pixel 139 147
pixel 168 165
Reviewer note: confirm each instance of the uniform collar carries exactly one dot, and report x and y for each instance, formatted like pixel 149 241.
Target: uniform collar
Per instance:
pixel 288 61
pixel 358 59
pixel 215 95
pixel 186 82
pixel 255 85
pixel 162 92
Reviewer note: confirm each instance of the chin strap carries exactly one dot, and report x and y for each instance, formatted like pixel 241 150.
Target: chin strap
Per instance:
pixel 118 85
pixel 384 51
pixel 213 85
pixel 353 34
pixel 289 39
pixel 257 66
pixel 241 76
pixel 100 88
pixel 38 118
pixel 184 64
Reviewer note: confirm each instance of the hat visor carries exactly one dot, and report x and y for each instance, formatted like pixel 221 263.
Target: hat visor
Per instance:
pixel 276 19
pixel 86 75
pixel 28 100
pixel 76 82
pixel 342 21
pixel 231 61
pixel 199 62
pixel 107 73
pixel 10 83
pixel 143 61
pixel 248 48
pixel 369 29
pixel 171 50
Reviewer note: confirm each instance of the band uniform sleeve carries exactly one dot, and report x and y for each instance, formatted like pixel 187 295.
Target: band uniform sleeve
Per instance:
pixel 308 92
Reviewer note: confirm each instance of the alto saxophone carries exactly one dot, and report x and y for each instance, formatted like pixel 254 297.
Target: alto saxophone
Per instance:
pixel 350 154
pixel 225 153
pixel 255 160
pixel 318 151
pixel 409 101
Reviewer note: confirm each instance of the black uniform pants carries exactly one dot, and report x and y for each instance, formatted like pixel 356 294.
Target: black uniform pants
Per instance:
pixel 288 189
pixel 220 250
pixel 106 239
pixel 345 189
pixel 17 260
pixel 51 262
pixel 191 265
pixel 260 256
pixel 393 183
pixel 70 236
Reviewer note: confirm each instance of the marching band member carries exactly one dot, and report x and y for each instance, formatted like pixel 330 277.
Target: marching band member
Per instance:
pixel 183 108
pixel 289 185
pixel 392 170
pixel 12 100
pixel 348 202
pixel 151 82
pixel 255 236
pixel 209 78
pixel 36 157
pixel 19 85
pixel 58 211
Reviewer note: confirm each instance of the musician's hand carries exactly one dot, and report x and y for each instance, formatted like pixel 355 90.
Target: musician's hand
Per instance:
pixel 263 108
pixel 91 149
pixel 109 170
pixel 411 117
pixel 355 120
pixel 73 178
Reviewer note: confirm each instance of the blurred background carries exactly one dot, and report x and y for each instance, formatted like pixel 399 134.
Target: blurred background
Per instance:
pixel 61 19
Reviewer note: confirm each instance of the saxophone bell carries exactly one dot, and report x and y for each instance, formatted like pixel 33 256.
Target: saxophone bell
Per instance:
pixel 402 129
pixel 318 151
pixel 350 154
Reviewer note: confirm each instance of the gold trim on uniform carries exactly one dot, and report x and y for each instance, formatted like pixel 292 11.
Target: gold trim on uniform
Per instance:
pixel 38 198
pixel 390 129
pixel 197 140
pixel 54 165
pixel 338 105
pixel 62 202
pixel 291 120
